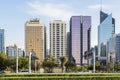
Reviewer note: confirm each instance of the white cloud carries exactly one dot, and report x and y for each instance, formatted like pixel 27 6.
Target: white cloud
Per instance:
pixel 49 10
pixel 98 6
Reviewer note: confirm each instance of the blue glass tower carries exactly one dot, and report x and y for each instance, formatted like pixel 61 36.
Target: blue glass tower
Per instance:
pixel 2 41
pixel 106 29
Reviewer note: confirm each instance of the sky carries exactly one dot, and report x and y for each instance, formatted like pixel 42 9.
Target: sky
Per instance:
pixel 15 13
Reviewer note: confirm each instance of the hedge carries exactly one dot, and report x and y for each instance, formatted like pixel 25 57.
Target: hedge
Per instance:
pixel 108 76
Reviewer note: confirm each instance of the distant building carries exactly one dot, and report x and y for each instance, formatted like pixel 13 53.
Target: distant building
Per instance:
pixel 68 46
pixel 2 40
pixel 80 35
pixel 11 51
pixel 89 55
pixel 117 48
pixel 106 29
pixel 113 49
pixel 35 38
pixel 58 39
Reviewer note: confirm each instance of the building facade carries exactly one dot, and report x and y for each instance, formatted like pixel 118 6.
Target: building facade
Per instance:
pixel 2 40
pixel 35 38
pixel 11 51
pixel 113 48
pixel 58 39
pixel 80 29
pixel 106 29
pixel 117 48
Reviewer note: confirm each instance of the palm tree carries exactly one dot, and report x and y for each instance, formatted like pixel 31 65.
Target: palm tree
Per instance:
pixel 63 60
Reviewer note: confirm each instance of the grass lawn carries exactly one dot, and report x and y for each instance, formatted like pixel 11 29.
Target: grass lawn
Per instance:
pixel 62 76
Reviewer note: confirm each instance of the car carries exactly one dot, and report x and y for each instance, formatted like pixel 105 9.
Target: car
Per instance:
pixel 2 72
pixel 24 72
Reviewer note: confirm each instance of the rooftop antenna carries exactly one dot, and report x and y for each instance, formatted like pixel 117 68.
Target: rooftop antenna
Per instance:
pixel 100 5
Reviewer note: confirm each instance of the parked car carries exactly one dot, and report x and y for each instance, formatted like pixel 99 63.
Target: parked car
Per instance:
pixel 2 72
pixel 24 71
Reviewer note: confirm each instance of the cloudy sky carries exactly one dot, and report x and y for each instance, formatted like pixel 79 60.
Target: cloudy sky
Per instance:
pixel 14 14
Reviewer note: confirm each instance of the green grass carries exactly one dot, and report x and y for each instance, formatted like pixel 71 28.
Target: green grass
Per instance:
pixel 55 76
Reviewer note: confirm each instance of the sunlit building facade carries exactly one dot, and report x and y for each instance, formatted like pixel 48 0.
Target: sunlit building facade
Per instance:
pixel 106 29
pixel 35 38
pixel 58 45
pixel 80 29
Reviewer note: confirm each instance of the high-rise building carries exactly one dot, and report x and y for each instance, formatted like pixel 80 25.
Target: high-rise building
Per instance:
pixel 113 48
pixel 80 29
pixel 35 38
pixel 68 46
pixel 2 40
pixel 117 48
pixel 11 51
pixel 106 29
pixel 58 39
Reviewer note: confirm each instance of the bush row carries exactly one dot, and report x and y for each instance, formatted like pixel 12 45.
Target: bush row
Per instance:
pixel 57 78
pixel 72 74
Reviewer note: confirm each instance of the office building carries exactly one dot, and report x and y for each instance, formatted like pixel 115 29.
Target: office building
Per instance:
pixel 35 38
pixel 106 29
pixel 58 39
pixel 80 29
pixel 117 48
pixel 2 40
pixel 11 51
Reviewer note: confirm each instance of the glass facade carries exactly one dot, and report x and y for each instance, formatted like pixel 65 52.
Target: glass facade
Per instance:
pixel 12 50
pixel 80 37
pixel 2 45
pixel 117 48
pixel 106 29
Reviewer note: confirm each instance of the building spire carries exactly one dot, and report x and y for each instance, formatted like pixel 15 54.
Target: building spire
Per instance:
pixel 100 5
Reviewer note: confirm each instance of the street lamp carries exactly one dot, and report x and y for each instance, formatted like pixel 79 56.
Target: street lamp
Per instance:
pixel 30 62
pixel 16 60
pixel 94 60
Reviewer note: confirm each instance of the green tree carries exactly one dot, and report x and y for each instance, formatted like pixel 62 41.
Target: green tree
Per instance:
pixel 69 66
pixel 49 63
pixel 97 65
pixel 90 67
pixel 84 67
pixel 63 60
pixel 110 67
pixel 117 66
pixel 22 63
pixel 3 61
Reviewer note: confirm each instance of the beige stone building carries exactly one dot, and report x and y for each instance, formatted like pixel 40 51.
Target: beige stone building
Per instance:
pixel 35 38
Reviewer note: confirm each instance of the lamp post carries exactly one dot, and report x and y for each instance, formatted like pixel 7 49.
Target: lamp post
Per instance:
pixel 16 60
pixel 94 60
pixel 30 62
pixel 35 66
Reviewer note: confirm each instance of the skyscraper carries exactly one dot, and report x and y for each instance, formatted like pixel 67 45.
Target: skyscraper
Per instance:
pixel 106 29
pixel 58 39
pixel 80 29
pixel 35 38
pixel 2 40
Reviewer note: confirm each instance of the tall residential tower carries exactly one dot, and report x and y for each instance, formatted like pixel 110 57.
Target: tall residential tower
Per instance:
pixel 58 39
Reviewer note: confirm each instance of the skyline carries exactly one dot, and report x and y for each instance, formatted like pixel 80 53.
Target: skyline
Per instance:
pixel 16 13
